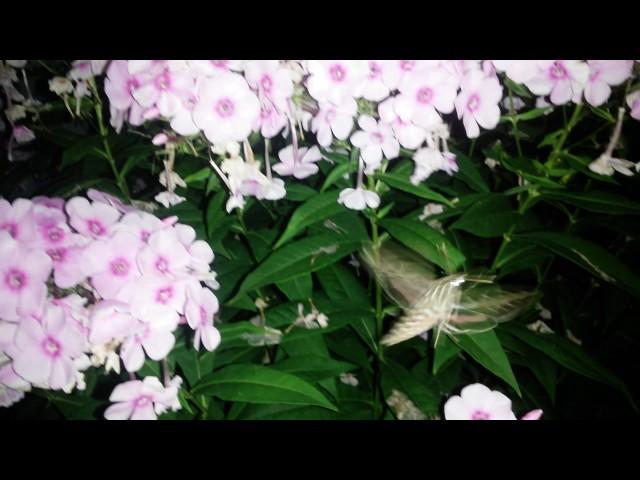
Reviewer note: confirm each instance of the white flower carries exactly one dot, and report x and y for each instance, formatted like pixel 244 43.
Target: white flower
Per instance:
pixel 226 109
pixel 174 178
pixel 374 140
pixel 335 80
pixel 15 113
pixel 358 198
pixel 607 165
pixel 349 379
pixel 169 199
pixel 491 163
pixel 477 402
pixel 334 120
pixel 431 209
pixel 60 85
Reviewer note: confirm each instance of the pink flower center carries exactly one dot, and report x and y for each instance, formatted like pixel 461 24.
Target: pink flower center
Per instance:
pixel 55 234
pixel 142 401
pixel 250 187
pixel 558 71
pixel 15 279
pixel 162 265
pixel 51 347
pixel 424 95
pixel 163 82
pixel 57 254
pixel 374 70
pixel 220 64
pixel 266 83
pixel 337 73
pixel 473 103
pixel 95 227
pixel 377 137
pixel 203 315
pixel 330 115
pixel 132 84
pixel 12 228
pixel 120 267
pixel 145 234
pixel 480 415
pixel 407 65
pixel 164 295
pixel 225 107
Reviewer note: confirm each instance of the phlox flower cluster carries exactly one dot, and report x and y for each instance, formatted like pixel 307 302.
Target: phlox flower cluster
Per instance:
pixel 94 283
pixel 378 106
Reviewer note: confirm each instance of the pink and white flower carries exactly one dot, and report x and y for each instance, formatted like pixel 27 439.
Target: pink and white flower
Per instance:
pixel 633 101
pixel 477 402
pixel 111 263
pixel 17 218
pixel 301 166
pixel 140 400
pixel 153 337
pixel 226 109
pixel 47 349
pixel 164 255
pixel 23 276
pixel 271 80
pixel 373 87
pixel 395 71
pixel 334 121
pixel 563 79
pixel 520 71
pixel 375 140
pixel 425 93
pixel 335 81
pixel 359 198
pixel 477 103
pixel 91 219
pixel 603 74
pixel 200 308
pixel 409 135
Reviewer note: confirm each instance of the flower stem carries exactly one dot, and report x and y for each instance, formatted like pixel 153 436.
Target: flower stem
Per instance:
pixel 512 112
pixel 122 184
pixel 558 146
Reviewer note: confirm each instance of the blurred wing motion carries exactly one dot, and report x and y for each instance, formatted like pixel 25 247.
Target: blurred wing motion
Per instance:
pixel 458 303
pixel 403 275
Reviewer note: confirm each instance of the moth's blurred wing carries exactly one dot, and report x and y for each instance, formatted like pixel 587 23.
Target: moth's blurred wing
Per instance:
pixel 434 308
pixel 483 305
pixel 402 274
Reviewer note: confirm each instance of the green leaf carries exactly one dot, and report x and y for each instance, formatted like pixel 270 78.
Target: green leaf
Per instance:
pixel 517 88
pixel 285 412
pixel 488 217
pixel 593 258
pixel 317 208
pixel 340 284
pixel 445 350
pixel 306 255
pixel 534 113
pixel 298 192
pixel 396 376
pixel 581 163
pixel 86 148
pixel 398 182
pixel 258 384
pixel 570 356
pixel 469 173
pixel 596 201
pixel 485 348
pixel 337 173
pixel 512 251
pixel 297 288
pixel 314 367
pixel 426 241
